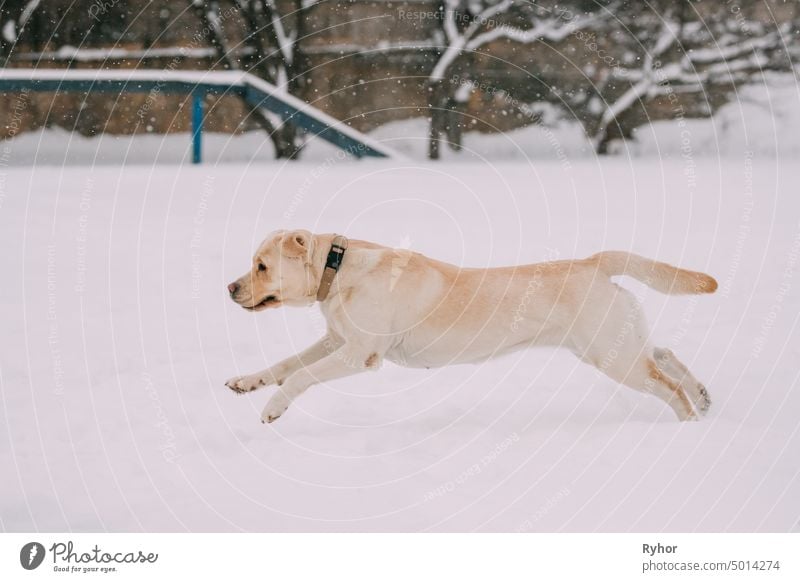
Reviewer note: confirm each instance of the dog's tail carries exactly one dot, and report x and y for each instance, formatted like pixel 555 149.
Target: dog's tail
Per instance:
pixel 660 276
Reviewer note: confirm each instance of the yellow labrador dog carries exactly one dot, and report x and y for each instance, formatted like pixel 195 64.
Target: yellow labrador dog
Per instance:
pixel 382 303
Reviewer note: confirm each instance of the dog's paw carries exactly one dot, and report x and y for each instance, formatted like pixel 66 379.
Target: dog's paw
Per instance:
pixel 243 384
pixel 705 401
pixel 276 406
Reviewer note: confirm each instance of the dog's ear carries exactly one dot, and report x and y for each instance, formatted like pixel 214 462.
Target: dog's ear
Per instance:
pixel 296 244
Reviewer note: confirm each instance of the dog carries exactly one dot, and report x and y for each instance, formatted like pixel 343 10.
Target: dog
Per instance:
pixel 393 304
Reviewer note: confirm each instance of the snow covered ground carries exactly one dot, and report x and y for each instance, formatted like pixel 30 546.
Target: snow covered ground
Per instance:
pixel 117 336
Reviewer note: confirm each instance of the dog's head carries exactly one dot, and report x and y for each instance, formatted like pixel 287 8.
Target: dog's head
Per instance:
pixel 280 274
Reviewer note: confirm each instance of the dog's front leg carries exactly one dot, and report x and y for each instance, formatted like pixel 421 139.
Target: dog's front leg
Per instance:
pixel 345 361
pixel 279 372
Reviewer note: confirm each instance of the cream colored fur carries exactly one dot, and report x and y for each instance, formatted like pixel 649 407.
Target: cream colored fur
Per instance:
pixel 396 305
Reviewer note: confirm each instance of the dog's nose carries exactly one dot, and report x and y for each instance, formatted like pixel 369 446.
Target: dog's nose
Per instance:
pixel 233 288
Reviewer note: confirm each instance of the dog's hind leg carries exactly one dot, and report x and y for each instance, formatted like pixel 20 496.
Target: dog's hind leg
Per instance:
pixel 672 367
pixel 615 341
pixel 642 373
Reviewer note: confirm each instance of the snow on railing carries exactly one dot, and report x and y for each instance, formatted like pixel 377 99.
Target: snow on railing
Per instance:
pixel 256 91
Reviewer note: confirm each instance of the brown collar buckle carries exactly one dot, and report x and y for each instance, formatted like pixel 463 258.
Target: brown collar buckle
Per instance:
pixel 332 264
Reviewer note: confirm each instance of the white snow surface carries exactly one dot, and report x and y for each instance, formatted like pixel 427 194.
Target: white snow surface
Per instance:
pixel 117 336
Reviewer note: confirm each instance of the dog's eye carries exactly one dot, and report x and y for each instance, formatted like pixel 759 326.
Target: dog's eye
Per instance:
pixel 262 267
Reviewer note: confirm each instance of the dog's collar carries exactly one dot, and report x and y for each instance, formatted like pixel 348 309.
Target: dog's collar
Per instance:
pixel 332 264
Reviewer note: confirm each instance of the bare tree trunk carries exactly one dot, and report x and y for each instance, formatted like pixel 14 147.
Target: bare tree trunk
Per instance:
pixel 437 104
pixel 454 127
pixel 268 64
pixel 23 14
pixel 601 144
pixel 433 139
pixel 256 60
pixel 207 14
pixel 446 118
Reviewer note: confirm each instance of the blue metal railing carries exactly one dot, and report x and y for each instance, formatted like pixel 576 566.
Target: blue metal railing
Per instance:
pixel 254 91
